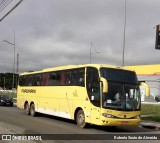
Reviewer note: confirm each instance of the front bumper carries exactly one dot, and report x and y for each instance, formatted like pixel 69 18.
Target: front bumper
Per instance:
pixel 119 122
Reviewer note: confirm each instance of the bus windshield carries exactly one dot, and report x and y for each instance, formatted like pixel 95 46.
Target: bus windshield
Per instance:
pixel 123 90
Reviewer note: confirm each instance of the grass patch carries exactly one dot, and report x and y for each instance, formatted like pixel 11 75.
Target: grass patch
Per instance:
pixel 150 109
pixel 152 118
pixel 151 112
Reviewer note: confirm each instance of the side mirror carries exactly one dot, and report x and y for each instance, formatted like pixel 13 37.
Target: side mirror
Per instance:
pixel 146 88
pixel 105 85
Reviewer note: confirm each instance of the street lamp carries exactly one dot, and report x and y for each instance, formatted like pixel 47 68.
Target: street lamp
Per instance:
pixel 14 46
pixel 93 52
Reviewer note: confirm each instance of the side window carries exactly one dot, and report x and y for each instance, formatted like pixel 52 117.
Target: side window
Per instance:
pixel 45 79
pixel 37 80
pixel 93 86
pixel 68 77
pixel 29 80
pixel 22 80
pixel 62 80
pixel 74 77
pixel 54 78
pixel 78 77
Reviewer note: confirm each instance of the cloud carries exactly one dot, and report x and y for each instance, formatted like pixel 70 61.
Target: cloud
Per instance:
pixel 59 32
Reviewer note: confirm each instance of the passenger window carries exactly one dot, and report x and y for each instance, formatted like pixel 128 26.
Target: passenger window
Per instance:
pixel 74 77
pixel 45 79
pixel 54 78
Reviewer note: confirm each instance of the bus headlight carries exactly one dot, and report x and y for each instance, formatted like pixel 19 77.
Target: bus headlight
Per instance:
pixel 137 117
pixel 107 115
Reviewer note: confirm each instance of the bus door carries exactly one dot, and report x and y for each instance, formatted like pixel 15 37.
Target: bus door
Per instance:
pixel 93 90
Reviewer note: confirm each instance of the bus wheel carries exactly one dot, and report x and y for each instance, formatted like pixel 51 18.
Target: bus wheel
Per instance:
pixel 26 108
pixel 32 110
pixel 80 119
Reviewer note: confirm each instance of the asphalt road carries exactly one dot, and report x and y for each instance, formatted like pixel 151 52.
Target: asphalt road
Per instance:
pixel 15 119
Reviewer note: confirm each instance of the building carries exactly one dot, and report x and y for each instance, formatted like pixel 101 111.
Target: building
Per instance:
pixel 149 74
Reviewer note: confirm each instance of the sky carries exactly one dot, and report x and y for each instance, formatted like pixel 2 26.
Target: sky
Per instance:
pixel 51 33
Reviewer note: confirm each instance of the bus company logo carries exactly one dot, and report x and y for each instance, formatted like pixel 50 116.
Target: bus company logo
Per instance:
pixel 28 90
pixel 6 137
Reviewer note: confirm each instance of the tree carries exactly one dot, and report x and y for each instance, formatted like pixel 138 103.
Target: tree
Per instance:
pixel 6 80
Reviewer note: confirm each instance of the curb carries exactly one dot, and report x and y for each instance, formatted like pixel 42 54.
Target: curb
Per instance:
pixel 150 124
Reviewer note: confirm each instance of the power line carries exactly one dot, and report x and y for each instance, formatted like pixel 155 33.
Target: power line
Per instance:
pixel 4 4
pixel 11 10
pixel 1 1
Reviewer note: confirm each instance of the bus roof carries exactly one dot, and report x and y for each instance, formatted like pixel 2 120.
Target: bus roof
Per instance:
pixel 71 67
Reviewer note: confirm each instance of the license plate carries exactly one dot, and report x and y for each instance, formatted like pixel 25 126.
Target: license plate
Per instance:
pixel 124 123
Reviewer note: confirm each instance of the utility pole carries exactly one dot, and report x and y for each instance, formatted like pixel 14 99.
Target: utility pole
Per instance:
pixel 17 69
pixel 4 83
pixel 17 63
pixel 14 48
pixel 95 51
pixel 124 34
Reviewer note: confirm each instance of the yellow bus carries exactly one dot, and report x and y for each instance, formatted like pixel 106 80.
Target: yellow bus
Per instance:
pixel 97 94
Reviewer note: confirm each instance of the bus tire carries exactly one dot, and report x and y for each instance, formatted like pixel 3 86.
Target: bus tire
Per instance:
pixel 80 119
pixel 32 110
pixel 26 108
